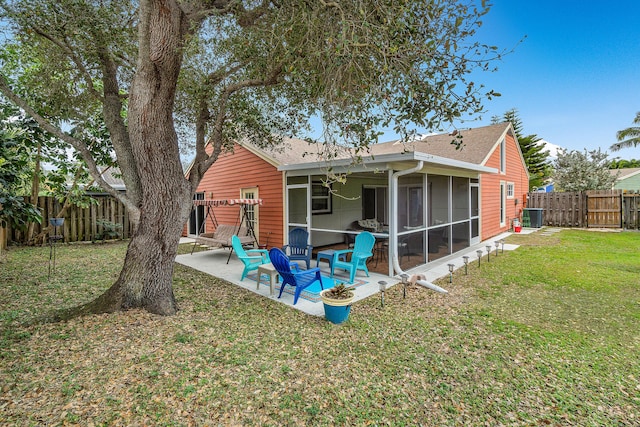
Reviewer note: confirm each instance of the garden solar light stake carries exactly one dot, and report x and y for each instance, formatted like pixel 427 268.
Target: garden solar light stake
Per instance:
pixel 488 253
pixel 465 258
pixel 479 252
pixel 405 280
pixel 383 287
pixel 451 266
pixel 497 242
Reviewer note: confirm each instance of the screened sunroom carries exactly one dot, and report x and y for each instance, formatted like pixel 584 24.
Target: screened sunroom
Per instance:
pixel 419 207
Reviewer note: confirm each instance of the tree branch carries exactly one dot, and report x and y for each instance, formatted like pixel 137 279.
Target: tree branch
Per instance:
pixel 248 18
pixel 270 80
pixel 72 56
pixel 202 117
pixel 111 111
pixel 75 143
pixel 198 12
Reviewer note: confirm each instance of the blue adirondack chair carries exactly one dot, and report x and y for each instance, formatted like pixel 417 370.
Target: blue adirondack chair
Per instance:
pixel 299 248
pixel 291 275
pixel 362 250
pixel 252 258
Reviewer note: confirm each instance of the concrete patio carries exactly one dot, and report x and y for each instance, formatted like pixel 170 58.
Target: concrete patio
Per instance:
pixel 214 262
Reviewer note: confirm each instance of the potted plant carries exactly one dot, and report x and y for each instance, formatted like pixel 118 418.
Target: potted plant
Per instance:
pixel 337 302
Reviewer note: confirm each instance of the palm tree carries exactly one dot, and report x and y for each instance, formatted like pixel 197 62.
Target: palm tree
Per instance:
pixel 629 137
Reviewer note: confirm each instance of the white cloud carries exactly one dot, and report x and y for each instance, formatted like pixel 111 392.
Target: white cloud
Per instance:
pixel 553 149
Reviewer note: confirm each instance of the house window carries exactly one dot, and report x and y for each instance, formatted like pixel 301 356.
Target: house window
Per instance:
pixel 374 203
pixel 503 204
pixel 503 156
pixel 510 190
pixel 320 198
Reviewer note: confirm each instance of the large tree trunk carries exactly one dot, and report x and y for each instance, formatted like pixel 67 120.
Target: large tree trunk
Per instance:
pixel 146 277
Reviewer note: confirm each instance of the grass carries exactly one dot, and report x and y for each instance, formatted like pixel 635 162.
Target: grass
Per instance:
pixel 544 335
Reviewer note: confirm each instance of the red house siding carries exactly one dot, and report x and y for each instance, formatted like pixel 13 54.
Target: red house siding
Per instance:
pixel 225 180
pixel 516 173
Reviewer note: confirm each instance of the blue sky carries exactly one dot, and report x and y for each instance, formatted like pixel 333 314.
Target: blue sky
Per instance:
pixel 575 78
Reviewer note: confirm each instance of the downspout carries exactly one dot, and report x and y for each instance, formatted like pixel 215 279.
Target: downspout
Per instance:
pixel 394 230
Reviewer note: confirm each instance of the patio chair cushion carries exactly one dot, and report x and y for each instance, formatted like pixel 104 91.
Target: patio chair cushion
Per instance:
pixel 222 236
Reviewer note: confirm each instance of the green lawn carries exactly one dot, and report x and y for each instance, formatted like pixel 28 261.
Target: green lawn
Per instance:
pixel 545 335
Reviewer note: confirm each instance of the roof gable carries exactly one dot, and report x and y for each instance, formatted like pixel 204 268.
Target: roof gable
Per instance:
pixel 477 144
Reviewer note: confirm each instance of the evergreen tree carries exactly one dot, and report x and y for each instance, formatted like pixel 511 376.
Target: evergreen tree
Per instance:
pixel 535 156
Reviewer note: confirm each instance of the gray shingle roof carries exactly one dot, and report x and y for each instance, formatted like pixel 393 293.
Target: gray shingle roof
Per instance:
pixel 112 176
pixel 624 173
pixel 477 144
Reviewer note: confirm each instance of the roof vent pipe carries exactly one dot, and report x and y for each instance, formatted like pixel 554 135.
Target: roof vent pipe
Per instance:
pixel 394 234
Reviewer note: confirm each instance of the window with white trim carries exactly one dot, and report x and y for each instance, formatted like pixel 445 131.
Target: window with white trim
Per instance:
pixel 503 156
pixel 510 190
pixel 503 204
pixel 320 198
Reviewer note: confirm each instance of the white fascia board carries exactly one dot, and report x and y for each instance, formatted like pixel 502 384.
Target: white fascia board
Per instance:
pixel 452 163
pixel 382 162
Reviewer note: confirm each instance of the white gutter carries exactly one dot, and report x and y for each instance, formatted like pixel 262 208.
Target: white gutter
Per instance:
pixel 393 227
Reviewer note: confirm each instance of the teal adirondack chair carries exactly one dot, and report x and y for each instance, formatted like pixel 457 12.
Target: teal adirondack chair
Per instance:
pixel 252 258
pixel 362 250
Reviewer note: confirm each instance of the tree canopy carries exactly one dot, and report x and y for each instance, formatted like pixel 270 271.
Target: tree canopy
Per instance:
pixel 580 171
pixel 624 163
pixel 15 171
pixel 230 70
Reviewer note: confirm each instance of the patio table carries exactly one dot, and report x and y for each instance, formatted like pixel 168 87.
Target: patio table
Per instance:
pixel 328 256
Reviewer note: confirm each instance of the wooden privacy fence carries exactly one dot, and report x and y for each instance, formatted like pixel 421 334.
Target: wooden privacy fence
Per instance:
pixel 559 209
pixel 3 239
pixel 594 208
pixel 631 210
pixel 81 224
pixel 604 209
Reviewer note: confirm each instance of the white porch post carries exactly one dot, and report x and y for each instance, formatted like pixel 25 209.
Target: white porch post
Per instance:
pixel 393 230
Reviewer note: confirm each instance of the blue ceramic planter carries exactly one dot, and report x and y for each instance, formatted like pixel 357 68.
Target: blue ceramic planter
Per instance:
pixel 336 310
pixel 336 314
